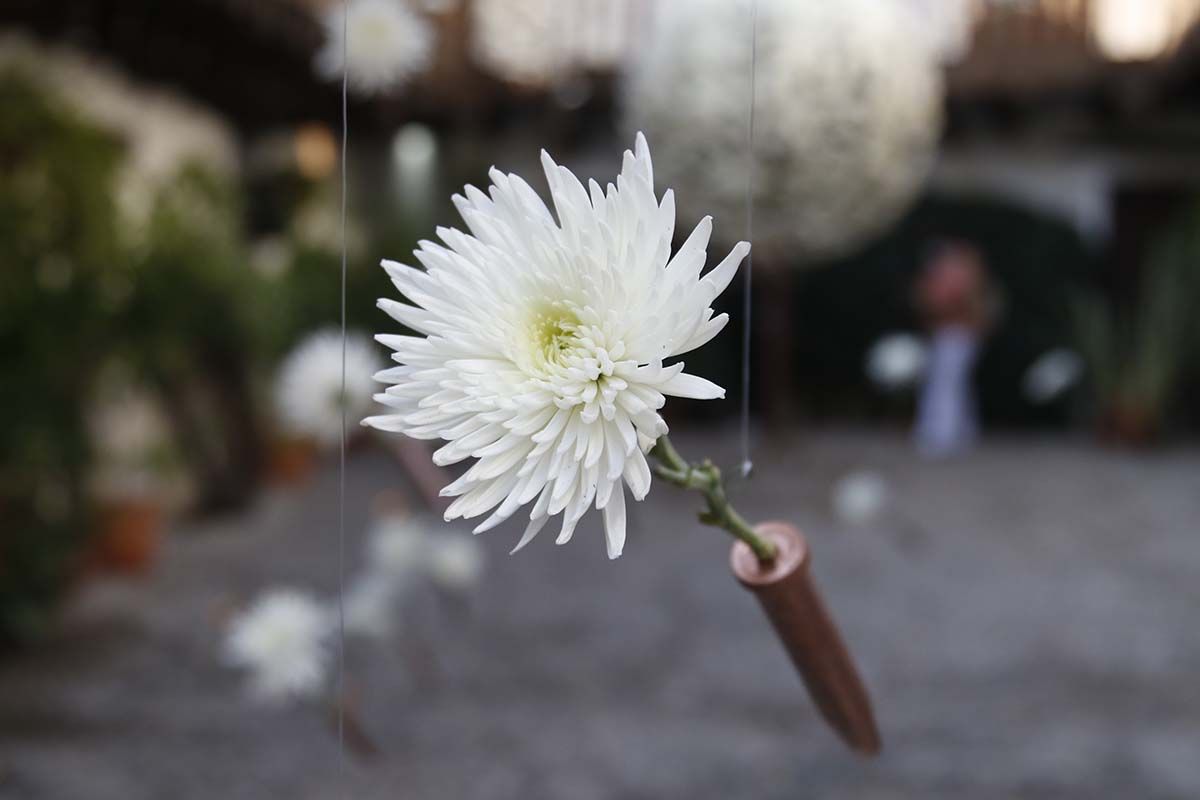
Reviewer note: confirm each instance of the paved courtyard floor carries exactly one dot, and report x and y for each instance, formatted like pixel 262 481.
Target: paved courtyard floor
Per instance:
pixel 1025 617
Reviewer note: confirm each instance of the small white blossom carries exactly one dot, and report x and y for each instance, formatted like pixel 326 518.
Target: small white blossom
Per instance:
pixel 548 42
pixel 897 361
pixel 371 605
pixel 455 562
pixel 544 341
pixel 309 386
pixel 387 43
pixel 283 640
pixel 127 424
pixel 271 256
pixel 317 224
pixel 397 546
pixel 860 497
pixel 1051 375
pixel 128 429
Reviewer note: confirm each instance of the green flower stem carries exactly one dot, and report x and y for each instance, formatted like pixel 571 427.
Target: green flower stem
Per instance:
pixel 706 479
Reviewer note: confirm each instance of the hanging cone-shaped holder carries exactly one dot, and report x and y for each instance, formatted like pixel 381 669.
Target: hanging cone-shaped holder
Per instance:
pixel 789 597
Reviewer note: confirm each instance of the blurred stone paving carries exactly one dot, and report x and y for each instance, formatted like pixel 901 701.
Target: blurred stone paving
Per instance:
pixel 1026 620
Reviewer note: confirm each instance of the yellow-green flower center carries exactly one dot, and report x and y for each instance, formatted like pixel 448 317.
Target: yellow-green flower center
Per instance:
pixel 554 333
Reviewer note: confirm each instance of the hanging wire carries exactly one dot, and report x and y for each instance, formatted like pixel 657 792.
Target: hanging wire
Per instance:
pixel 341 677
pixel 747 465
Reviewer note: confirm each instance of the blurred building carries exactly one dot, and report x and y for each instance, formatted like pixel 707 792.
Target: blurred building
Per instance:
pixel 1086 112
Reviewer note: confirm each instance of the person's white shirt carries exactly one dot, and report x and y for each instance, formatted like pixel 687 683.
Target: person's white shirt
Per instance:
pixel 947 418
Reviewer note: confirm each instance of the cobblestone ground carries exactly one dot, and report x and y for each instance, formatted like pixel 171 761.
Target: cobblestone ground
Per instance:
pixel 1025 619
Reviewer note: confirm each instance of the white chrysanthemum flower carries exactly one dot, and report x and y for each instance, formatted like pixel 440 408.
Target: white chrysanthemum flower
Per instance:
pixel 371 605
pixel 271 256
pixel 309 387
pixel 544 42
pixel 1053 373
pixel 897 361
pixel 455 562
pixel 543 343
pixel 283 640
pixel 397 546
pixel 387 43
pixel 848 112
pixel 860 497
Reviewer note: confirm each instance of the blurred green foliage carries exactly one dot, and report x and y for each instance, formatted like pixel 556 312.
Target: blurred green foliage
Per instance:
pixel 171 299
pixel 1138 355
pixel 188 274
pixel 193 328
pixel 305 295
pixel 59 240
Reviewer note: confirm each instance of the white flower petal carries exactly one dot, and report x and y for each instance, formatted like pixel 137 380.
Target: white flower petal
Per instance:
pixel 535 526
pixel 614 523
pixel 696 388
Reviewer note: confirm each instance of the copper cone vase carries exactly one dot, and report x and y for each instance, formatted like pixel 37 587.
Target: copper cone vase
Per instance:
pixel 789 597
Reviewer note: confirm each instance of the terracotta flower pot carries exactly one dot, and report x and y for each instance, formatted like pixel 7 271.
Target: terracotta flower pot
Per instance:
pixel 291 462
pixel 129 536
pixel 1129 425
pixel 789 597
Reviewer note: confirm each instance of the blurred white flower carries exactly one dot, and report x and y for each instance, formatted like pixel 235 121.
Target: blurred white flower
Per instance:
pixel 544 342
pixel 397 546
pixel 949 25
pixel 1052 374
pixel 131 435
pixel 455 562
pixel 270 256
pixel 848 114
pixel 371 605
pixel 127 423
pixel 283 640
pixel 387 43
pixel 544 42
pixel 439 6
pixel 897 361
pixel 309 386
pixel 317 224
pixel 860 497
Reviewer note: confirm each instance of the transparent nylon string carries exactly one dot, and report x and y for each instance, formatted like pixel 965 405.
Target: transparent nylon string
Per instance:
pixel 341 676
pixel 747 306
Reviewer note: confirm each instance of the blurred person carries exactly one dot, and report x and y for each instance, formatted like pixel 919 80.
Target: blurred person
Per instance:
pixel 954 299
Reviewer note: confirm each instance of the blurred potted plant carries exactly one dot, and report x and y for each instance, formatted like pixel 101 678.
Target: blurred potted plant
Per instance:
pixel 131 480
pixel 59 241
pixel 1137 357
